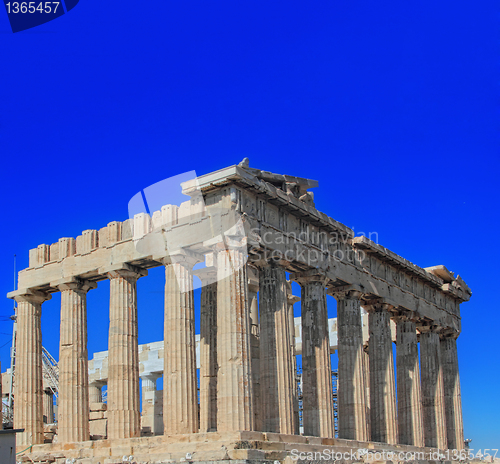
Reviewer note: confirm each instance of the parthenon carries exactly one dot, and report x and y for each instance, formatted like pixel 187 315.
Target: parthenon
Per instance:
pixel 246 235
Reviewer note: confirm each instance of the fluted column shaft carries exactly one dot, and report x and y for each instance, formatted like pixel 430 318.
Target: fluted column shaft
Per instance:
pixel 317 394
pixel 48 406
pixel 411 430
pixel 382 382
pixel 180 396
pixel 124 420
pixel 452 395
pixel 276 362
pixel 95 393
pixel 149 405
pixel 432 389
pixel 28 388
pixel 208 353
pixel 253 307
pixel 292 299
pixel 351 392
pixel 366 361
pixel 234 382
pixel 73 401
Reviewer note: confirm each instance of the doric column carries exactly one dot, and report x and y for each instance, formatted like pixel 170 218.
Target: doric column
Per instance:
pixel 292 299
pixel 28 387
pixel 124 419
pixel 48 406
pixel 351 392
pixel 180 395
pixel 432 388
pixel 452 396
pixel 208 350
pixel 317 394
pixel 411 430
pixel 95 392
pixel 253 306
pixel 366 361
pixel 234 381
pixel 276 364
pixel 149 405
pixel 73 401
pixel 382 383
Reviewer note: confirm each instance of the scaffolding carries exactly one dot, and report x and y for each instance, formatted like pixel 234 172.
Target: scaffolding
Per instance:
pixel 335 402
pixel 50 373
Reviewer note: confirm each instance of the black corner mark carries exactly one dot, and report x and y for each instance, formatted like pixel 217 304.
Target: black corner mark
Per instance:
pixel 27 14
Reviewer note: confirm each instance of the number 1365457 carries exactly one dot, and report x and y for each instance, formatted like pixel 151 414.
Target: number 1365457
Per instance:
pixel 32 7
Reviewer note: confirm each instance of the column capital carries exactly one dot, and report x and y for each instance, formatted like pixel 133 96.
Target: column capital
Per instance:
pixel 404 315
pixel 449 334
pixel 229 242
pixel 74 283
pixel 207 275
pixel 312 275
pixel 267 259
pixel 183 257
pixel 29 295
pixel 125 270
pixel 290 297
pixel 346 294
pixel 377 307
pixel 428 328
pixel 152 376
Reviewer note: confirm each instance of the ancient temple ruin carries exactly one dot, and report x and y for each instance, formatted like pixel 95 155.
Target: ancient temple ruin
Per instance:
pixel 254 232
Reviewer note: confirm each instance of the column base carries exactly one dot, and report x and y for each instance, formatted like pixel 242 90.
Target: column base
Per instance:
pixel 214 447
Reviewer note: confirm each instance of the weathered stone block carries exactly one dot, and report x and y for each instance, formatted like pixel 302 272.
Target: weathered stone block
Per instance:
pixel 67 247
pixel 98 406
pixel 54 252
pixel 142 225
pixel 247 454
pixel 103 237
pixel 43 254
pixel 114 232
pixel 98 428
pixel 170 214
pixel 127 229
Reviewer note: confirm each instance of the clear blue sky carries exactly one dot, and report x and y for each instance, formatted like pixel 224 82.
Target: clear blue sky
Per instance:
pixel 392 106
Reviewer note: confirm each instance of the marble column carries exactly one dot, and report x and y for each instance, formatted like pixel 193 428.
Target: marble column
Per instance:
pixel 28 387
pixel 366 361
pixel 317 394
pixel 276 364
pixel 292 299
pixel 124 419
pixel 411 430
pixel 208 350
pixel 452 395
pixel 352 404
pixel 253 305
pixel 234 381
pixel 48 406
pixel 384 426
pixel 95 393
pixel 180 395
pixel 73 401
pixel 432 388
pixel 150 407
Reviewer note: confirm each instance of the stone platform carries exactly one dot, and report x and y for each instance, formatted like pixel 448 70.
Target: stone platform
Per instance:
pixel 237 447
